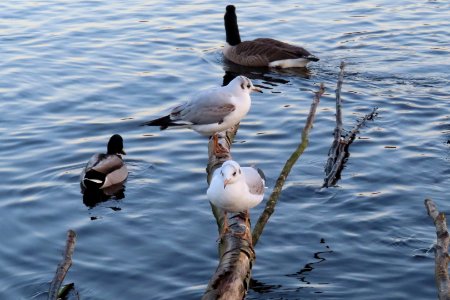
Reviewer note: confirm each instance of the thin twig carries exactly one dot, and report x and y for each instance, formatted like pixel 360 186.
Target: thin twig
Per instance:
pixel 333 152
pixel 270 205
pixel 63 266
pixel 339 123
pixel 352 133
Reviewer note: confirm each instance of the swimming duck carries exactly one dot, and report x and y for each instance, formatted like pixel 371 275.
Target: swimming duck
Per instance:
pixel 262 52
pixel 104 170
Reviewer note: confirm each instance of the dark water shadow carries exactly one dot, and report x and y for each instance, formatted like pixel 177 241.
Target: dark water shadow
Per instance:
pixel 302 276
pixel 269 77
pixel 92 197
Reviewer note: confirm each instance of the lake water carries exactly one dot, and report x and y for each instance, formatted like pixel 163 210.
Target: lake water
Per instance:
pixel 75 72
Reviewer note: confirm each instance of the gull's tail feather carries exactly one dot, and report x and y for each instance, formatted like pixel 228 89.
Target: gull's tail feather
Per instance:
pixel 162 122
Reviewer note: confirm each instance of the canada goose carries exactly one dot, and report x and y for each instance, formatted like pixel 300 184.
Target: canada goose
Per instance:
pixel 211 111
pixel 262 52
pixel 104 170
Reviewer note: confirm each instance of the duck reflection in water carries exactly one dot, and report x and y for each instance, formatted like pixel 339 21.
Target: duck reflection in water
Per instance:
pixel 92 197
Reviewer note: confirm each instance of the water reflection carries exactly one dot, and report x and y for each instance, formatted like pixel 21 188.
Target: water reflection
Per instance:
pixel 301 275
pixel 92 197
pixel 264 288
pixel 269 77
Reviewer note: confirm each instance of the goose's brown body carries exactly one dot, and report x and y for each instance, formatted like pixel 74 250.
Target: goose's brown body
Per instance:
pixel 261 52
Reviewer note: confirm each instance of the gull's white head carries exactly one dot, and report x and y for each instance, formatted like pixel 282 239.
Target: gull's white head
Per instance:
pixel 243 84
pixel 231 172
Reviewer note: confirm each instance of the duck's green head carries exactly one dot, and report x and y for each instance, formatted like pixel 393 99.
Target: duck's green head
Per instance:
pixel 115 145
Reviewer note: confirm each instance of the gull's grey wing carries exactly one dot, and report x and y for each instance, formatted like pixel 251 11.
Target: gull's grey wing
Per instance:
pixel 207 108
pixel 254 180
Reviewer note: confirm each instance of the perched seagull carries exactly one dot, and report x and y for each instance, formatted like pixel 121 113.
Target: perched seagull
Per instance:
pixel 262 52
pixel 236 189
pixel 211 111
pixel 104 170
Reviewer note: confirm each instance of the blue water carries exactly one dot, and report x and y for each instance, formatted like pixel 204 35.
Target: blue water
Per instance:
pixel 73 73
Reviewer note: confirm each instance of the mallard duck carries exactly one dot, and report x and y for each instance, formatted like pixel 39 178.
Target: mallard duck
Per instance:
pixel 262 52
pixel 104 170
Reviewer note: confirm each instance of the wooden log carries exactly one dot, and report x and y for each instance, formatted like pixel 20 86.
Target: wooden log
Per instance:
pixel 63 266
pixel 232 277
pixel 236 254
pixel 273 199
pixel 338 153
pixel 441 255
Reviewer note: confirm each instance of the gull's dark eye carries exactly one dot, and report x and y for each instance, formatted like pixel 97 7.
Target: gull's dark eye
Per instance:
pixel 248 86
pixel 234 174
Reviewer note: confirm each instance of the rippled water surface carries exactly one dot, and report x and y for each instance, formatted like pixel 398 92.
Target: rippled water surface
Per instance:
pixel 75 72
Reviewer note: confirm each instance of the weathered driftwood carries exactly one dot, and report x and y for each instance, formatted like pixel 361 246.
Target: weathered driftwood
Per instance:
pixel 68 291
pixel 270 205
pixel 338 153
pixel 441 259
pixel 63 266
pixel 232 276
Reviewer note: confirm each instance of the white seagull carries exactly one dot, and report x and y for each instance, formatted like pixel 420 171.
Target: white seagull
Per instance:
pixel 262 52
pixel 236 189
pixel 211 111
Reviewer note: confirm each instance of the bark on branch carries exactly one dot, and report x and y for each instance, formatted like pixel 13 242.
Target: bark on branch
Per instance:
pixel 338 153
pixel 441 258
pixel 273 199
pixel 63 266
pixel 232 276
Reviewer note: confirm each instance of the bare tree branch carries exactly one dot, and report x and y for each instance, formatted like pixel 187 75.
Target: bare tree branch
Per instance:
pixel 273 199
pixel 441 259
pixel 338 152
pixel 232 276
pixel 63 266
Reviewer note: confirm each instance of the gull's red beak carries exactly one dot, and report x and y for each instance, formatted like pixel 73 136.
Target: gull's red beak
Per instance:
pixel 227 181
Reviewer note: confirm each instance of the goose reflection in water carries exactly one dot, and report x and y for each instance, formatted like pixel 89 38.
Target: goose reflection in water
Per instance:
pixel 268 77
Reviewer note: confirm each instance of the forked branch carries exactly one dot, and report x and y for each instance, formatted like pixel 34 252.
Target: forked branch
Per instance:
pixel 338 153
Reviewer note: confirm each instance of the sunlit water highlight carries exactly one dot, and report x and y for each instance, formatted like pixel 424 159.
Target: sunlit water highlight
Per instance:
pixel 74 73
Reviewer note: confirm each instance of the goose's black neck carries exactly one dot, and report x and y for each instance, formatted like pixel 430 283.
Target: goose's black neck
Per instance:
pixel 231 26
